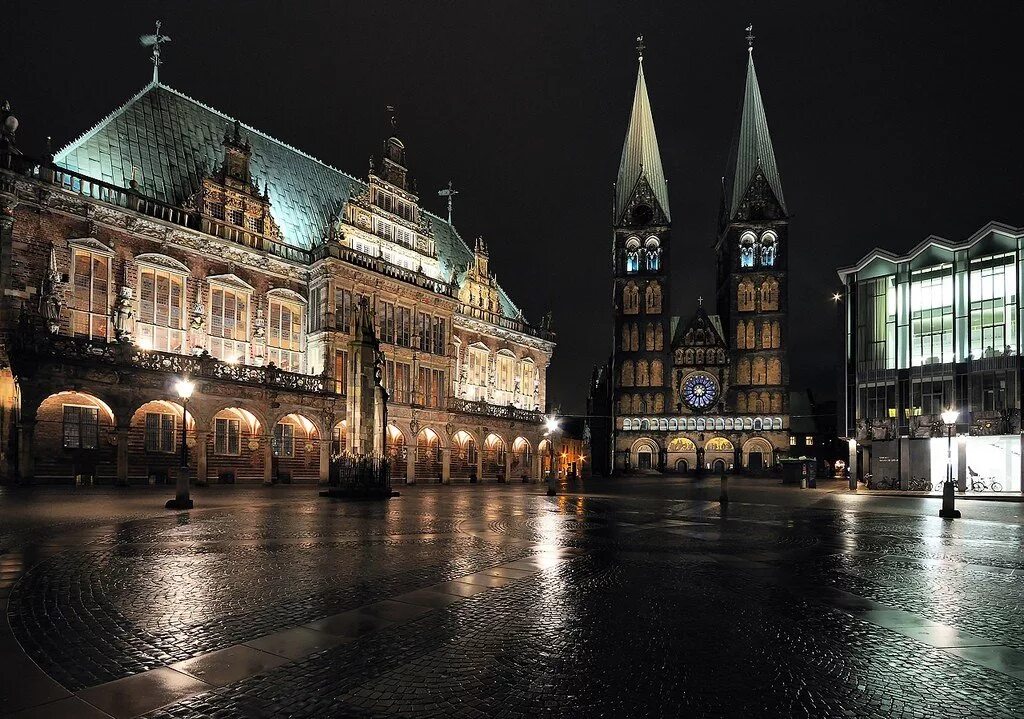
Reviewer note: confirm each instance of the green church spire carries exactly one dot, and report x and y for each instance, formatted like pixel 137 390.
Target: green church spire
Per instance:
pixel 640 154
pixel 752 150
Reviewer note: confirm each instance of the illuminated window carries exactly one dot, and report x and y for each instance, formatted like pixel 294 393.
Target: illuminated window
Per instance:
pixel 769 241
pixel 747 250
pixel 229 324
pixel 284 334
pixel 284 439
pixel 90 295
pixel 160 322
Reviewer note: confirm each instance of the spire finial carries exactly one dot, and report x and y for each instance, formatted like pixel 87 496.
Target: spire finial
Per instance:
pixel 750 37
pixel 155 41
pixel 700 301
pixel 640 48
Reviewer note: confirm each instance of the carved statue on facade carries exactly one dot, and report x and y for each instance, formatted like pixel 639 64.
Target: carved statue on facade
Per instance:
pixel 51 299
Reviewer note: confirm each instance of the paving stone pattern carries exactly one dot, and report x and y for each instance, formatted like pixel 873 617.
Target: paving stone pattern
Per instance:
pixel 659 603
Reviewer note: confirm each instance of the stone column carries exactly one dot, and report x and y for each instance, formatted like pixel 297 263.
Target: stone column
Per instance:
pixel 961 463
pixel 446 465
pixel 480 464
pixel 268 462
pixel 410 464
pixel 26 448
pixel 508 465
pixel 201 469
pixel 536 466
pixel 122 457
pixel 325 461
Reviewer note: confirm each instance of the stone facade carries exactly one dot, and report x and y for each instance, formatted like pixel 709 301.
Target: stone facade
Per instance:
pixel 112 291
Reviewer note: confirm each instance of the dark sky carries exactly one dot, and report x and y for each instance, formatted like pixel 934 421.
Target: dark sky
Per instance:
pixel 891 121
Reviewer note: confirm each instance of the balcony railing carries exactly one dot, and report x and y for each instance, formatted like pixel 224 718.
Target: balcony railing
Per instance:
pixel 354 257
pixel 496 318
pixel 76 349
pixel 459 404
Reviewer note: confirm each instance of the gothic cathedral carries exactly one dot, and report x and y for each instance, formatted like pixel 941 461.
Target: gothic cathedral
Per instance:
pixel 708 393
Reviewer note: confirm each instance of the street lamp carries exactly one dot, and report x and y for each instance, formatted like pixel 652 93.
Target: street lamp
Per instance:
pixel 182 500
pixel 552 426
pixel 949 510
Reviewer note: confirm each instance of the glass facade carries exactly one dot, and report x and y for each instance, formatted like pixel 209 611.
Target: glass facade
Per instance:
pixel 933 330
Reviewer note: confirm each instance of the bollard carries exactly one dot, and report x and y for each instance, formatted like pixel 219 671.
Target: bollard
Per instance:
pixel 723 498
pixel 949 510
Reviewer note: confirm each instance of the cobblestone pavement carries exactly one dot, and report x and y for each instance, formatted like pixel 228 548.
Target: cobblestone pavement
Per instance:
pixel 639 598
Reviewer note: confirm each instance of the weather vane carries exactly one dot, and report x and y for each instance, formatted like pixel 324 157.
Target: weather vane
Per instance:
pixel 750 37
pixel 155 41
pixel 640 47
pixel 449 192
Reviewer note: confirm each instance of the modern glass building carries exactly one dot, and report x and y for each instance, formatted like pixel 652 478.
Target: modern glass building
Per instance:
pixel 937 328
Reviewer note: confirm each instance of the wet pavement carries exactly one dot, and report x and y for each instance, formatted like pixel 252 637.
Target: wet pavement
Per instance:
pixel 639 598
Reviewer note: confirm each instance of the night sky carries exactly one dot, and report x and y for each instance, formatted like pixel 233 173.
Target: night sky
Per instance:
pixel 891 121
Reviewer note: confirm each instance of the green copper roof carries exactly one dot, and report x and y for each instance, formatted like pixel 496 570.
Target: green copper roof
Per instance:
pixel 171 140
pixel 752 147
pixel 640 154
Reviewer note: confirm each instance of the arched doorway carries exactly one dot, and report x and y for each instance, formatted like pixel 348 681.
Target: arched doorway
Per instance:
pixel 75 439
pixel 757 455
pixel 234 446
pixel 494 457
pixel 522 459
pixel 645 455
pixel 718 454
pixel 428 456
pixel 397 453
pixel 464 456
pixel 295 450
pixel 544 452
pixel 154 442
pixel 682 454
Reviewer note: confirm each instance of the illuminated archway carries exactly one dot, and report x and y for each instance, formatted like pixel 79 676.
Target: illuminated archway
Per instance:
pixel 522 458
pixel 75 439
pixel 494 457
pixel 428 455
pixel 464 455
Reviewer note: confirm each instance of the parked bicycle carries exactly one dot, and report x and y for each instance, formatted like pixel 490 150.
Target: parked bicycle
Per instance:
pixel 983 484
pixel 884 482
pixel 920 484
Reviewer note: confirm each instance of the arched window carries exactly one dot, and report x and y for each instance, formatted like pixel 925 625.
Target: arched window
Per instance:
pixel 721 356
pixel 750 335
pixel 653 298
pixel 659 404
pixel 769 241
pixel 632 255
pixel 747 249
pixel 627 423
pixel 643 379
pixel 634 337
pixel 652 252
pixel 774 371
pixel 657 374
pixel 743 372
pixel 745 296
pixel 700 355
pixel 630 298
pixel 741 402
pixel 741 335
pixel 625 338
pixel 627 374
pixel 765 402
pixel 776 335
pixel 758 371
pixel 776 402
pixel 758 403
pixel 649 337
pixel 689 356
pixel 766 335
pixel 770 294
pixel 659 338
pixel 638 404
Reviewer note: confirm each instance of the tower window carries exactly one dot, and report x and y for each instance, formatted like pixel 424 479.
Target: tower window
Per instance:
pixel 768 243
pixel 747 249
pixel 632 255
pixel 652 250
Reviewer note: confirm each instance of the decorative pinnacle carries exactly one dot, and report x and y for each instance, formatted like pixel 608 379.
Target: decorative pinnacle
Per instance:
pixel 750 37
pixel 155 41
pixel 640 47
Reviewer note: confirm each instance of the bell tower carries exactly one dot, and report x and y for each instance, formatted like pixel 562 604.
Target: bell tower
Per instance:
pixel 641 224
pixel 752 256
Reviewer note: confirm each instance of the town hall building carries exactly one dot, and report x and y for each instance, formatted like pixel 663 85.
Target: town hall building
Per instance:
pixel 708 392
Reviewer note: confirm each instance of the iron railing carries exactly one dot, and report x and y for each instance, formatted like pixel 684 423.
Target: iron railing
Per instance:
pixel 459 404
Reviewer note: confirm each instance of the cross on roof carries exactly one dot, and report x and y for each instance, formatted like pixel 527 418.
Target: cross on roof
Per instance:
pixel 700 301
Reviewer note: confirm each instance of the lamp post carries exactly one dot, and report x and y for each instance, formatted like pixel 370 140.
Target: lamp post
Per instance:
pixel 182 500
pixel 551 424
pixel 949 510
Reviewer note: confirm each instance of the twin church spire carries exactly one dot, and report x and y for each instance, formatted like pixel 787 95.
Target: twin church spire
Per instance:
pixel 641 158
pixel 751 154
